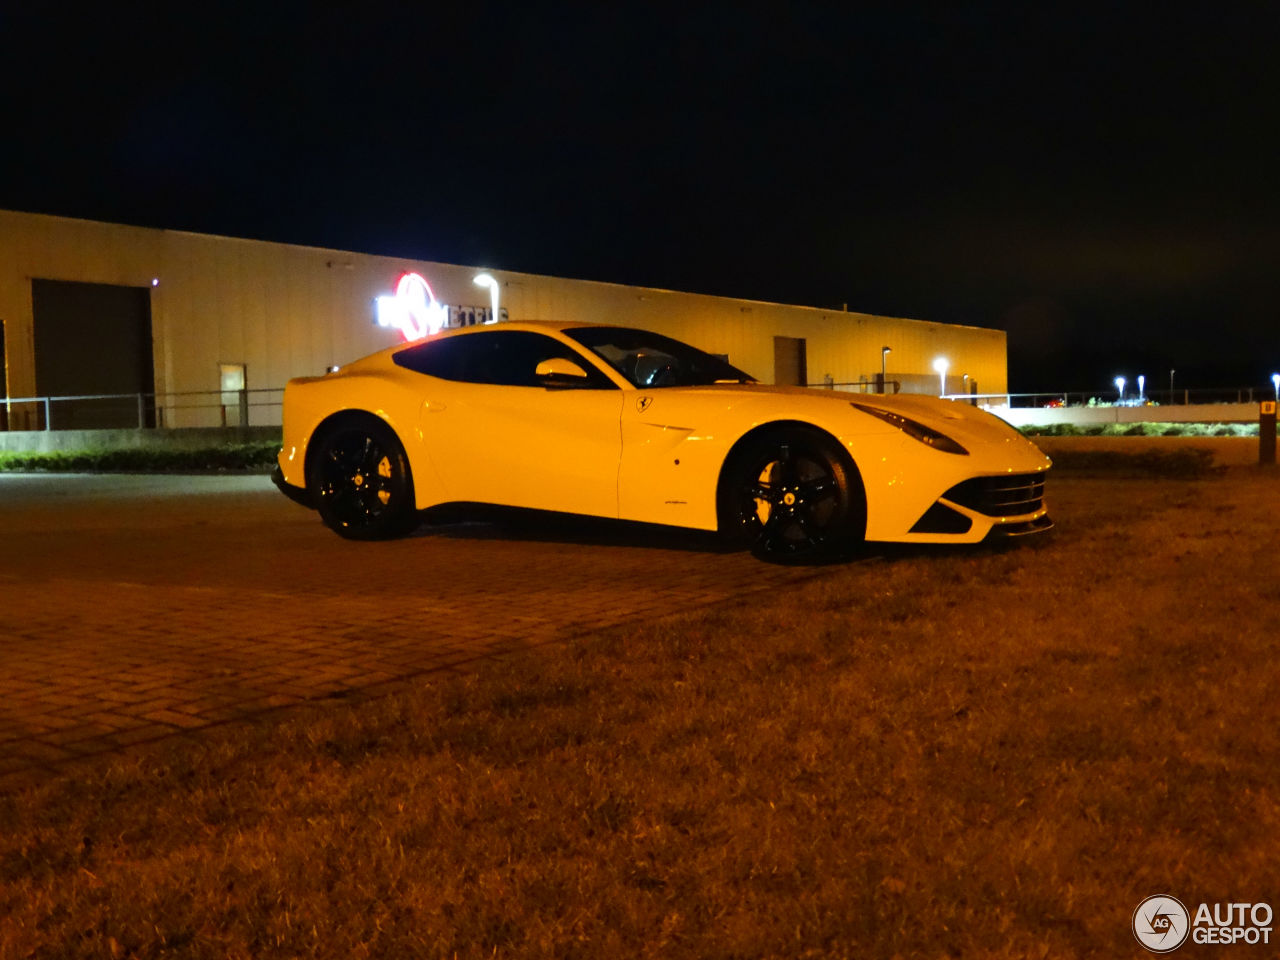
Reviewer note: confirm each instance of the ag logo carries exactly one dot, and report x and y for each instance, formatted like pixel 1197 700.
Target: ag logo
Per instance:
pixel 1161 923
pixel 643 403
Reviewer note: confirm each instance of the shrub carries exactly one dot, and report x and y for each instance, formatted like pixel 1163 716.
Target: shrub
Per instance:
pixel 240 456
pixel 1143 429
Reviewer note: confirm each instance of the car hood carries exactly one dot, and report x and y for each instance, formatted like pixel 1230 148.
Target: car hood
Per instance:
pixel 971 427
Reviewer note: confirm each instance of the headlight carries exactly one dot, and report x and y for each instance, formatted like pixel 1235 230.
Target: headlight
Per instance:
pixel 926 435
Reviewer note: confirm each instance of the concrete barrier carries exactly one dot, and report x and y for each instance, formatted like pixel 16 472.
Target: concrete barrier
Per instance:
pixel 1172 413
pixel 186 438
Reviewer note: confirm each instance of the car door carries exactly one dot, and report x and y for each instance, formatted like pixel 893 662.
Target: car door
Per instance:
pixel 498 433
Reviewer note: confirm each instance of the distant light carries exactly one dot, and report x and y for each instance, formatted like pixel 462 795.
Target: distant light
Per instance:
pixel 155 281
pixel 1142 386
pixel 940 368
pixel 1275 382
pixel 486 280
pixel 1119 382
pixel 413 309
pixel 332 369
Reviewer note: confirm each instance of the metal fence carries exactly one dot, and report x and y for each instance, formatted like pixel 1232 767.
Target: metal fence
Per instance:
pixel 106 411
pixel 246 408
pixel 1078 398
pixel 859 386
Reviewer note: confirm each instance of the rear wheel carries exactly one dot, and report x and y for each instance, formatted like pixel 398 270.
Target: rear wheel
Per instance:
pixel 791 495
pixel 360 482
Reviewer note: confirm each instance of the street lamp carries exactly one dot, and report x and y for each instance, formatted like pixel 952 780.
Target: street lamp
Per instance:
pixel 1275 382
pixel 940 368
pixel 1171 373
pixel 1142 387
pixel 884 363
pixel 1120 387
pixel 486 280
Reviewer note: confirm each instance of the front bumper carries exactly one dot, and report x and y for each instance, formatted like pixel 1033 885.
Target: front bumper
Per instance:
pixel 1009 505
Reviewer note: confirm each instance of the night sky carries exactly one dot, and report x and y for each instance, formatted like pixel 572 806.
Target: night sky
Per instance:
pixel 1100 183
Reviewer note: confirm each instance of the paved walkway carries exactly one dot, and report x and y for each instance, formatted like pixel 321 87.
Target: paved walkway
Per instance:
pixel 137 608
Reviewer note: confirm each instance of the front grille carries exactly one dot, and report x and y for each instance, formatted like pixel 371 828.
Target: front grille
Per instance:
pixel 1006 496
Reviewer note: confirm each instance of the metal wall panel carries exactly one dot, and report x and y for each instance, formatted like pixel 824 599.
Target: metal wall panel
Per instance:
pixel 285 310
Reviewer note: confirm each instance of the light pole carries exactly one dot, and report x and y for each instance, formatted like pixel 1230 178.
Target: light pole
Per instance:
pixel 884 366
pixel 1275 382
pixel 1142 389
pixel 1120 387
pixel 1171 387
pixel 940 368
pixel 486 280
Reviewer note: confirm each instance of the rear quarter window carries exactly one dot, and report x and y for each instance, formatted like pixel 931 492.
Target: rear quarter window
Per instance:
pixel 501 357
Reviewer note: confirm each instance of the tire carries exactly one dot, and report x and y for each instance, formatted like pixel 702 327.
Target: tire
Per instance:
pixel 791 495
pixel 359 481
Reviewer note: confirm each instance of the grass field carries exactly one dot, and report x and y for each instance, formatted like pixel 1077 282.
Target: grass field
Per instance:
pixel 923 753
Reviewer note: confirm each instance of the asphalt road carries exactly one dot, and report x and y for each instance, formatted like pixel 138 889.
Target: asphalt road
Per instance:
pixel 139 607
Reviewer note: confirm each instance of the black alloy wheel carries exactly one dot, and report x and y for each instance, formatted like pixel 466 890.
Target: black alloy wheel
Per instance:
pixel 792 496
pixel 360 482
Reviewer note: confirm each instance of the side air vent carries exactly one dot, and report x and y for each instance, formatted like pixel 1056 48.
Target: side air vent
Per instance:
pixel 942 519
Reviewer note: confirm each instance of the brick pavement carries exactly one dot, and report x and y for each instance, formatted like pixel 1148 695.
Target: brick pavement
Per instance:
pixel 134 609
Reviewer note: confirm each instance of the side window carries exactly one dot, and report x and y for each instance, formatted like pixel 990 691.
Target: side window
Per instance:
pixel 502 357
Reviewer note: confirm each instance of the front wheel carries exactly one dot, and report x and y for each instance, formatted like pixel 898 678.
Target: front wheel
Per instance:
pixel 360 481
pixel 791 495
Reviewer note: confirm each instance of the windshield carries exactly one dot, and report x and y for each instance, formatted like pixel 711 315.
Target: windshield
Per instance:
pixel 650 360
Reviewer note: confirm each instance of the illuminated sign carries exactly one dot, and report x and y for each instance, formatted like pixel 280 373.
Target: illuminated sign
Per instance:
pixel 414 310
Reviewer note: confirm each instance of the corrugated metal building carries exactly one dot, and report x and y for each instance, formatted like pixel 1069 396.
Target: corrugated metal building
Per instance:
pixel 94 308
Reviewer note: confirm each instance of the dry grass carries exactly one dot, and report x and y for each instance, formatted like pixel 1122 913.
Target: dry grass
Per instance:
pixel 990 753
pixel 1188 464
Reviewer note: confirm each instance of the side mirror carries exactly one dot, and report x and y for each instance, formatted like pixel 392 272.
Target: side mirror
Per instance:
pixel 560 372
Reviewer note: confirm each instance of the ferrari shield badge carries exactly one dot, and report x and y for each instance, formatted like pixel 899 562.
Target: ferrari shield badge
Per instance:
pixel 643 403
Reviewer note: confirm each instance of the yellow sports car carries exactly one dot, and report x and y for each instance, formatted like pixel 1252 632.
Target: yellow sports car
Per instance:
pixel 616 422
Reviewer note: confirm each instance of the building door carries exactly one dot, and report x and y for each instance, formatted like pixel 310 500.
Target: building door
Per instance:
pixel 235 399
pixel 790 365
pixel 93 339
pixel 4 382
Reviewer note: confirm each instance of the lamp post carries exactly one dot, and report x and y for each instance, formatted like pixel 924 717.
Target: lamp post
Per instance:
pixel 486 280
pixel 1275 382
pixel 940 368
pixel 1120 387
pixel 1171 387
pixel 1142 389
pixel 884 364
